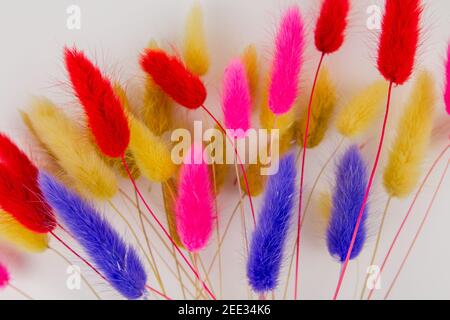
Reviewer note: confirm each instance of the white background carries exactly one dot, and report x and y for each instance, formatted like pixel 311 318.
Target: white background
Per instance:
pixel 113 33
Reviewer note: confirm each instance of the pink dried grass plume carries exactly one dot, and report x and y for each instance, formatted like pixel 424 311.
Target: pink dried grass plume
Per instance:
pixel 236 100
pixel 447 82
pixel 194 205
pixel 4 276
pixel 287 62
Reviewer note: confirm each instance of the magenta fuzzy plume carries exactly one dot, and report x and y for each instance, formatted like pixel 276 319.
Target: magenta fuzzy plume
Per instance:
pixel 287 62
pixel 4 276
pixel 447 82
pixel 236 101
pixel 194 205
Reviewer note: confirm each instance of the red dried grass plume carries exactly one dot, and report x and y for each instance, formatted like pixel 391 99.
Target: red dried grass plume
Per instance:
pixel 169 73
pixel 330 28
pixel 20 195
pixel 399 39
pixel 106 117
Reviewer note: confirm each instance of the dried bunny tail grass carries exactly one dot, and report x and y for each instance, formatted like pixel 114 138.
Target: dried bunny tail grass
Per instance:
pixel 195 51
pixel 323 106
pixel 399 39
pixel 117 163
pixel 287 62
pixel 157 106
pixel 172 76
pixel 269 120
pixel 447 82
pixel 104 112
pixel 250 60
pixel 118 262
pixel 4 276
pixel 348 195
pixel 325 206
pixel 330 28
pixel 270 235
pixel 19 193
pixel 362 110
pixel 413 134
pixel 218 170
pixel 236 101
pixel 170 192
pixel 195 201
pixel 256 180
pixel 150 152
pixel 12 158
pixel 72 150
pixel 13 232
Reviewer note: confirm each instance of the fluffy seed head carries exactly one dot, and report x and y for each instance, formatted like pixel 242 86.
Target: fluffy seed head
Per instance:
pixel 330 28
pixel 399 39
pixel 169 73
pixel 287 62
pixel 103 109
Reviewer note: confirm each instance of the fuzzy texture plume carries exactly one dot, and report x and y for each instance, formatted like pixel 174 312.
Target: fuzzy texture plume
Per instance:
pixel 72 150
pixel 256 181
pixel 325 206
pixel 13 232
pixel 267 118
pixel 269 237
pixel 156 105
pixel 250 61
pixel 169 73
pixel 447 82
pixel 151 154
pixel 399 39
pixel 118 262
pixel 195 201
pixel 104 112
pixel 169 192
pixel 19 193
pixel 349 191
pixel 117 163
pixel 330 28
pixel 413 135
pixel 323 106
pixel 236 100
pixel 195 50
pixel 362 110
pixel 218 171
pixel 4 276
pixel 13 158
pixel 287 62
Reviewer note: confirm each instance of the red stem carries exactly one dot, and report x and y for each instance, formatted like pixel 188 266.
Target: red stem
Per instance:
pixel 244 174
pixel 366 196
pixel 302 176
pixel 158 293
pixel 400 229
pixel 422 224
pixel 127 169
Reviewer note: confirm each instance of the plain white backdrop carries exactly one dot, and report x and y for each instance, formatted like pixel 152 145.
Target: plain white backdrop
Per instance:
pixel 33 34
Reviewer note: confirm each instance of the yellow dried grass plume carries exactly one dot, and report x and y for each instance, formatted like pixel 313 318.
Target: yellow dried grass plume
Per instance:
pixel 195 48
pixel 413 134
pixel 151 153
pixel 250 61
pixel 72 150
pixel 323 106
pixel 169 191
pixel 362 110
pixel 13 232
pixel 156 105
